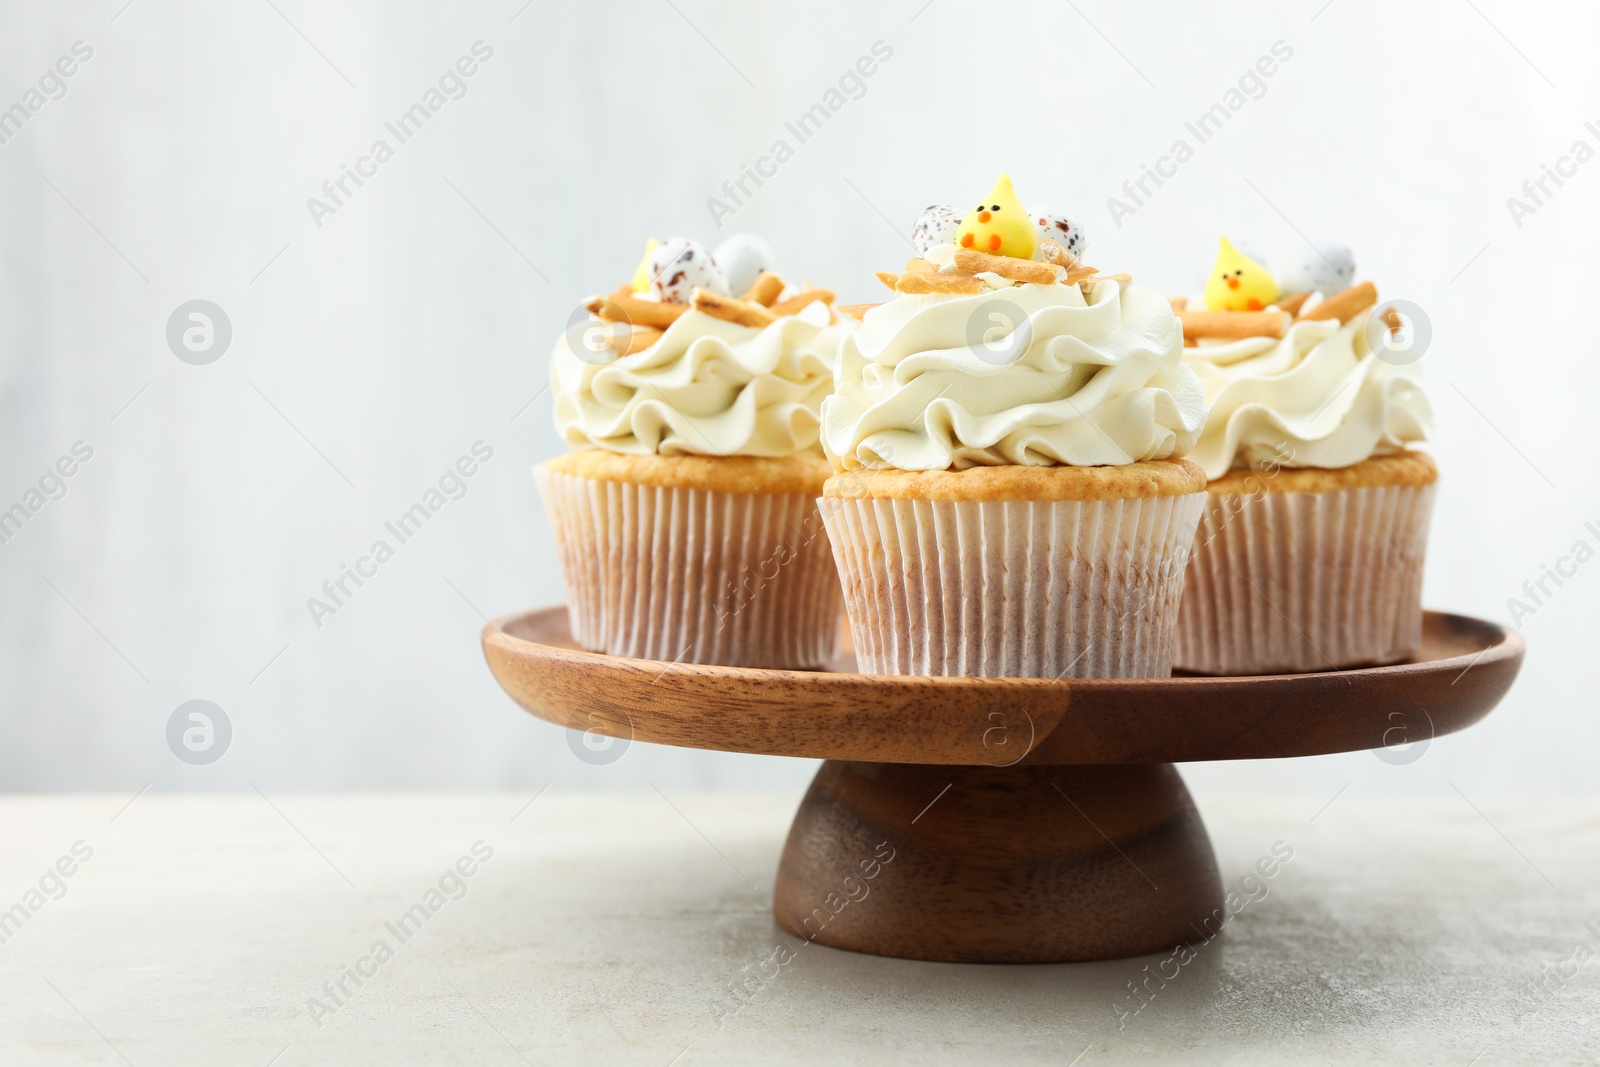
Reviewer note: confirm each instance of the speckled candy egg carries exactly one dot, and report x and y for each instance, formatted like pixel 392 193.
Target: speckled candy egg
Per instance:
pixel 1059 227
pixel 742 258
pixel 937 225
pixel 679 266
pixel 1328 269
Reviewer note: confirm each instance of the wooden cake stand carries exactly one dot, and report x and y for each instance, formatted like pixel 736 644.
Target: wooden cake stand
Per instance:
pixel 993 820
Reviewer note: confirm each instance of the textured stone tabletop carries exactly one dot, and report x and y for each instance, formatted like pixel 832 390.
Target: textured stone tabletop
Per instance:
pixel 634 929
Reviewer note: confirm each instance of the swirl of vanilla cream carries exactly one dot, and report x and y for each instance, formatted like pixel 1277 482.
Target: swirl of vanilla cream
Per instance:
pixel 1032 375
pixel 707 387
pixel 1319 397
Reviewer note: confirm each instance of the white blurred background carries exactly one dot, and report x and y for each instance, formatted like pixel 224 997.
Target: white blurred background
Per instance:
pixel 370 352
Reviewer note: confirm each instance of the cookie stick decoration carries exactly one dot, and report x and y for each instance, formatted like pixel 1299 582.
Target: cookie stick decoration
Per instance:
pixel 1239 283
pixel 999 225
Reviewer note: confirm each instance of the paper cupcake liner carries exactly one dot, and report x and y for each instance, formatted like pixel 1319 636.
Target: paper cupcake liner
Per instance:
pixel 1284 583
pixel 694 575
pixel 1013 589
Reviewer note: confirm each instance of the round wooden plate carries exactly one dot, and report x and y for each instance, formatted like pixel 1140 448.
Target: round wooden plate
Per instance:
pixel 1463 669
pixel 1002 820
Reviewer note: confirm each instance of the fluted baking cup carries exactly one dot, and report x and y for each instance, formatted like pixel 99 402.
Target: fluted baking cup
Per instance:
pixel 1289 582
pixel 1013 588
pixel 694 575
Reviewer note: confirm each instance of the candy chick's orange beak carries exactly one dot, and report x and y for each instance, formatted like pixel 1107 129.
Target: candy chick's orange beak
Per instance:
pixel 983 216
pixel 1233 283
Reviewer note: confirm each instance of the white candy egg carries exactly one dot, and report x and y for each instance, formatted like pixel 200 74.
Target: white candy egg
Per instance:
pixel 1328 269
pixel 679 266
pixel 937 225
pixel 742 258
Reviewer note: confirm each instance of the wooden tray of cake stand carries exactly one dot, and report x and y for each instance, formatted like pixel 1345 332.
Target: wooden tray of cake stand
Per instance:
pixel 1024 820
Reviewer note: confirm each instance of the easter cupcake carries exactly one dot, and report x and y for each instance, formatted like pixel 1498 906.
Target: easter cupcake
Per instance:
pixel 1310 553
pixel 685 516
pixel 1007 432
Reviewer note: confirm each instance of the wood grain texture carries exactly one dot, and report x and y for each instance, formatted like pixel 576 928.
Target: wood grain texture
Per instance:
pixel 1463 669
pixel 995 820
pixel 998 865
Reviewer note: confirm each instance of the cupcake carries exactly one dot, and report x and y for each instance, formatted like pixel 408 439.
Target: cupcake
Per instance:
pixel 685 516
pixel 1007 433
pixel 1309 555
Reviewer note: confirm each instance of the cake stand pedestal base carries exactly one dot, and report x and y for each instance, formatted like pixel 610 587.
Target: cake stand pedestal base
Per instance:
pixel 1021 864
pixel 913 842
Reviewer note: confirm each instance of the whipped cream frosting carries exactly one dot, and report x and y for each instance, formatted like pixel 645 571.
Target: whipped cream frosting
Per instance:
pixel 1032 375
pixel 1319 397
pixel 707 387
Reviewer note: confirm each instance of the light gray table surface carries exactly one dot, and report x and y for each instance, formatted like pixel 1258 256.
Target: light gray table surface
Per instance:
pixel 634 929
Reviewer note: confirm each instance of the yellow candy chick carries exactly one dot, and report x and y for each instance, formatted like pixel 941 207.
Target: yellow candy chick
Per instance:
pixel 641 273
pixel 1239 283
pixel 999 225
